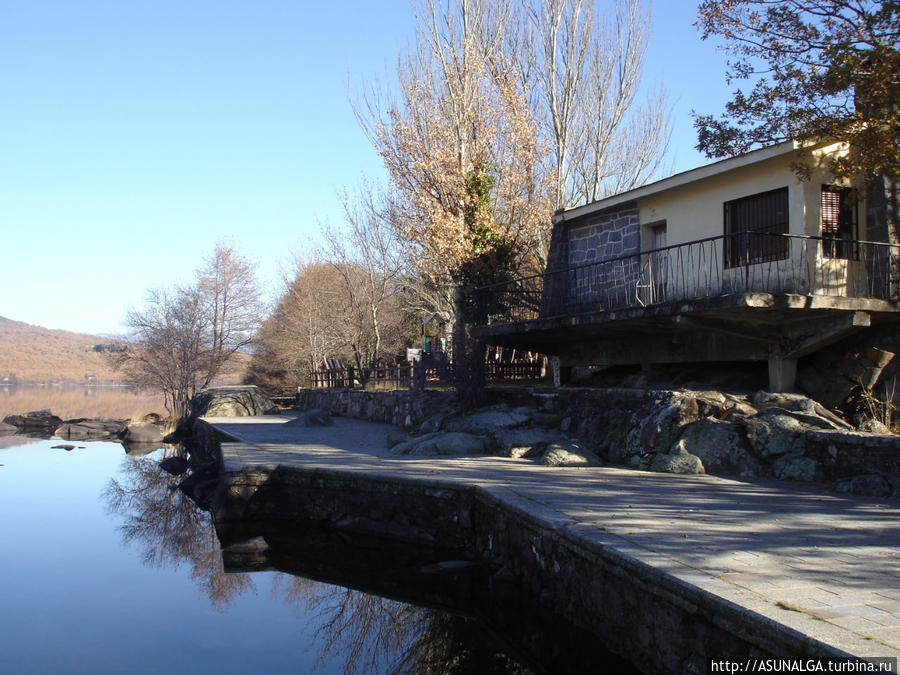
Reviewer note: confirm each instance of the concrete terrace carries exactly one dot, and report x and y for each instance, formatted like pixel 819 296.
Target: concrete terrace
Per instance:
pixel 813 564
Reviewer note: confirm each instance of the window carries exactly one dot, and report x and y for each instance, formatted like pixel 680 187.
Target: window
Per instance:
pixel 838 222
pixel 752 226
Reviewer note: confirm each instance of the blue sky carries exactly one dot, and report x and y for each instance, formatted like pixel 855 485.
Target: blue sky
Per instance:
pixel 134 135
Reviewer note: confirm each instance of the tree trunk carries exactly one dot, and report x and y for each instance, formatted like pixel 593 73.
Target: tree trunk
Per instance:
pixel 468 360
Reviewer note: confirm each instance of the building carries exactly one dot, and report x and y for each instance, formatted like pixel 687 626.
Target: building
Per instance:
pixel 737 260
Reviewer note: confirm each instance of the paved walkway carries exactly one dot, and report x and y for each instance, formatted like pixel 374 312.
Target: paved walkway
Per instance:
pixel 824 564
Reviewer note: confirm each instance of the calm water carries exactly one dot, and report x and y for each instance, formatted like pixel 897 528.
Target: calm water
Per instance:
pixel 104 568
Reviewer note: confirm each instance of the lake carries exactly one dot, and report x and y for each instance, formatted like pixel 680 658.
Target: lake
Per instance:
pixel 69 402
pixel 105 568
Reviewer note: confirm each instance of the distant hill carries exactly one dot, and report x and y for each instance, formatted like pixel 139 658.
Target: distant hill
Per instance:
pixel 35 354
pixel 30 354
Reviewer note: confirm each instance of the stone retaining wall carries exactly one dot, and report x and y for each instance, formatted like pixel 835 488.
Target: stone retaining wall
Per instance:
pixel 404 407
pixel 656 621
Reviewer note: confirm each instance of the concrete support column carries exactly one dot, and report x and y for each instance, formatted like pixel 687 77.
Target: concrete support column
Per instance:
pixel 782 374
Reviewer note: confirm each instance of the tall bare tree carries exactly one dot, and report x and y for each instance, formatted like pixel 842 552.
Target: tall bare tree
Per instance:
pixel 229 290
pixel 367 256
pixel 454 118
pixel 185 336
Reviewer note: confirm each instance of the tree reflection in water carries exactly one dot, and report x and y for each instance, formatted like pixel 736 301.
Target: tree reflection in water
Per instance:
pixel 170 529
pixel 372 634
pixel 367 632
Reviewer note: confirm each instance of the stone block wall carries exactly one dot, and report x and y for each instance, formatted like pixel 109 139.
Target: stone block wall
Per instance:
pixel 609 235
pixel 403 408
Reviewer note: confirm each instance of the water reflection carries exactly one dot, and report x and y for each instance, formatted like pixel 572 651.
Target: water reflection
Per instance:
pixel 378 607
pixel 169 529
pixel 395 607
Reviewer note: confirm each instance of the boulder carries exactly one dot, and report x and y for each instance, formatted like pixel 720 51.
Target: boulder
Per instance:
pixel 763 400
pixel 569 454
pixel 237 401
pixel 312 418
pixel 432 424
pixel 661 427
pixel 774 432
pixel 803 408
pixel 869 485
pixel 442 443
pixel 90 430
pixel 7 429
pixel 34 422
pixel 794 466
pixel 489 421
pixel 395 438
pixel 525 442
pixel 721 447
pixel 142 432
pixel 679 461
pixel 872 426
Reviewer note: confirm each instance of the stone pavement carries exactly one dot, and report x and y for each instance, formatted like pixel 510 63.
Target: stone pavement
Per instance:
pixel 822 564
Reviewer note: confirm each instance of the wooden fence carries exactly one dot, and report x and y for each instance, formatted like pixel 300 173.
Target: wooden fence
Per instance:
pixel 409 375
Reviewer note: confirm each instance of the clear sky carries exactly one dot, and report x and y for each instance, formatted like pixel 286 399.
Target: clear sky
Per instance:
pixel 134 135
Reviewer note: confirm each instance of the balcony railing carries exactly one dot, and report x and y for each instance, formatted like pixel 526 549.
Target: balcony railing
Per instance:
pixel 713 267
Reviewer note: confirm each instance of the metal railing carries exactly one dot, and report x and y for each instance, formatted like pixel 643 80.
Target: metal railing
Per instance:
pixel 717 266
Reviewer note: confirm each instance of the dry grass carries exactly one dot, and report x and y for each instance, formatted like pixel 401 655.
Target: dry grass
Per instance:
pixel 69 403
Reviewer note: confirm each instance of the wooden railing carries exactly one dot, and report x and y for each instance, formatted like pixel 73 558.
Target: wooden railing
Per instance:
pixel 408 375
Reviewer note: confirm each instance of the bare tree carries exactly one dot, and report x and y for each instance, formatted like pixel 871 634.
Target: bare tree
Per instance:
pixel 510 86
pixel 344 302
pixel 231 295
pixel 168 346
pixel 185 336
pixel 584 70
pixel 368 257
pixel 459 118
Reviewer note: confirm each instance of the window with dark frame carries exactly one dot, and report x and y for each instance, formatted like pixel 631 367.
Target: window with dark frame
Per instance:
pixel 839 222
pixel 752 226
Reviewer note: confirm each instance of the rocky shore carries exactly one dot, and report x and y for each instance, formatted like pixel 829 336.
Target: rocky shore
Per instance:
pixel 150 428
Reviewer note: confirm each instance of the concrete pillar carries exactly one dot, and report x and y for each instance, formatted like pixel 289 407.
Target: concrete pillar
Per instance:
pixel 782 374
pixel 555 371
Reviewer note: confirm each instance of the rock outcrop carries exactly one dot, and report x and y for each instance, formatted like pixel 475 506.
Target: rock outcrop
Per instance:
pixel 237 401
pixel 90 430
pixel 312 418
pixel 569 454
pixel 765 435
pixel 143 432
pixel 442 443
pixel 34 422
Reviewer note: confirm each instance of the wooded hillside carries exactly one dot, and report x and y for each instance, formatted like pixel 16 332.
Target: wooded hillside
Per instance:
pixel 35 354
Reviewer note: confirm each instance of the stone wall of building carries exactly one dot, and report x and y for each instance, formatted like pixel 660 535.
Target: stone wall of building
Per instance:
pixel 607 235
